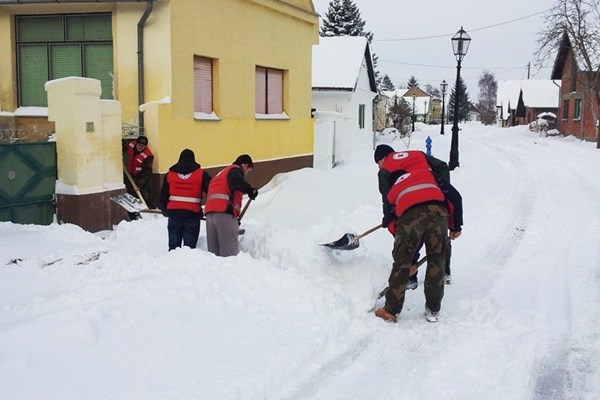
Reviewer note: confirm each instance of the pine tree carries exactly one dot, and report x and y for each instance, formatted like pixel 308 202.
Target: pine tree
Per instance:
pixel 400 112
pixel 343 18
pixel 464 102
pixel 386 84
pixel 412 82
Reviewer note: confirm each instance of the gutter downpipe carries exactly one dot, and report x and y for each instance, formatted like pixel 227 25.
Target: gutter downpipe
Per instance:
pixel 140 52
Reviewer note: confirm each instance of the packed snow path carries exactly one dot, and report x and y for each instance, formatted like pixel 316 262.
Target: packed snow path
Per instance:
pixel 118 317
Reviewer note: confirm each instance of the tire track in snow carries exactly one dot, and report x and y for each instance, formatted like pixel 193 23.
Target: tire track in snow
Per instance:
pixel 309 388
pixel 559 362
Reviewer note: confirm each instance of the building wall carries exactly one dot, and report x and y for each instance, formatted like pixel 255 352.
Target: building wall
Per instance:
pixel 584 127
pixel 238 35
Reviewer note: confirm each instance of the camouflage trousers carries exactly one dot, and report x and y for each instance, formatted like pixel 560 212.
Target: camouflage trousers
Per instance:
pixel 430 224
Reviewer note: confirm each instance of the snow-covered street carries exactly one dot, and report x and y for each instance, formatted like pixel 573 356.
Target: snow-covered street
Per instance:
pixel 116 316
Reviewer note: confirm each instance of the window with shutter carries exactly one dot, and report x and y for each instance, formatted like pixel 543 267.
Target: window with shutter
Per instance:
pixel 57 46
pixel 260 94
pixel 269 91
pixel 203 82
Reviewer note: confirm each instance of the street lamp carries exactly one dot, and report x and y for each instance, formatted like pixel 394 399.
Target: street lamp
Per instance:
pixel 413 115
pixel 443 86
pixel 460 45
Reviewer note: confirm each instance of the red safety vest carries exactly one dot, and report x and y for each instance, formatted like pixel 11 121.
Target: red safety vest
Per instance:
pixel 185 190
pixel 219 194
pixel 409 160
pixel 414 188
pixel 135 161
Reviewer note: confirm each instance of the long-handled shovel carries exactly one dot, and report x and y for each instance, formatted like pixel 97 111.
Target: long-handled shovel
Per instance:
pixel 135 187
pixel 242 231
pixel 384 291
pixel 350 241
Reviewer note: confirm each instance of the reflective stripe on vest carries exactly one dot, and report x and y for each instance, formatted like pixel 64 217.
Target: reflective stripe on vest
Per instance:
pixel 185 199
pixel 412 189
pixel 217 196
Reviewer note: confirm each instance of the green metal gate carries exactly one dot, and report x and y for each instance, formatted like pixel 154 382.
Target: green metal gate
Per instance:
pixel 27 181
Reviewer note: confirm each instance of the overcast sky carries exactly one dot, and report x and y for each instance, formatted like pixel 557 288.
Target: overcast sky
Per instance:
pixel 501 47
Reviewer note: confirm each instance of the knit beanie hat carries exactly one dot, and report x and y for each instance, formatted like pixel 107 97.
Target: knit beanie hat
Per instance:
pixel 382 151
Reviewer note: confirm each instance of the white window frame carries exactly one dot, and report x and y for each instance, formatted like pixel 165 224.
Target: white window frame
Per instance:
pixel 268 95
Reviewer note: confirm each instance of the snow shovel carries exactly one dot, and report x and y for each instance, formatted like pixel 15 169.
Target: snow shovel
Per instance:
pixel 384 291
pixel 135 187
pixel 350 241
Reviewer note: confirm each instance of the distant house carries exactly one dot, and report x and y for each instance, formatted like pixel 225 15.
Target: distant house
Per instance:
pixel 578 105
pixel 420 102
pixel 343 88
pixel 220 77
pixel 518 102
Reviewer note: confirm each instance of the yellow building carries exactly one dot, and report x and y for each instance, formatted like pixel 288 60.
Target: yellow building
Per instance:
pixel 221 77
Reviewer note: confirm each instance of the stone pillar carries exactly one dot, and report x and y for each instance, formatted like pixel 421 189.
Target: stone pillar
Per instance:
pixel 88 133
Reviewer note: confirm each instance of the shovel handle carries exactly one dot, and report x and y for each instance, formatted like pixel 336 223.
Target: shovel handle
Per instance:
pixel 373 229
pixel 135 187
pixel 244 210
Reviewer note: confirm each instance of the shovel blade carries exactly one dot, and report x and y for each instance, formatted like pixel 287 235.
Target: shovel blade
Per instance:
pixel 347 242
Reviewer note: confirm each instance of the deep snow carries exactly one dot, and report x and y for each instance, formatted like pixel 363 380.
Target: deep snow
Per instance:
pixel 116 316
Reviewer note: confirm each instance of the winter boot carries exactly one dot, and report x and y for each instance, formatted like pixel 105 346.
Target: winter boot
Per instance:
pixel 431 316
pixel 385 315
pixel 412 283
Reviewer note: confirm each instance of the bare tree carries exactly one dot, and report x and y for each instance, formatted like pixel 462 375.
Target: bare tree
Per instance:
pixel 433 90
pixel 488 90
pixel 577 21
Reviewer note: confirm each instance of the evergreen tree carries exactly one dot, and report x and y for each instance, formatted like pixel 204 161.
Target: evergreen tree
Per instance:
pixel 400 112
pixel 488 89
pixel 386 84
pixel 412 82
pixel 343 18
pixel 464 102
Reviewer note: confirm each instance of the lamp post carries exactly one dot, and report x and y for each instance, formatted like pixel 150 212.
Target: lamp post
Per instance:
pixel 413 114
pixel 443 86
pixel 460 45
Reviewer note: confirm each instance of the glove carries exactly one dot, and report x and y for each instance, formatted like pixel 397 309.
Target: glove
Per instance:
pixel 389 222
pixel 388 218
pixel 253 194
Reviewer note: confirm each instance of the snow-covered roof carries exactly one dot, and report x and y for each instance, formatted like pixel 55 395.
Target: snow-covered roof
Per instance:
pixel 422 102
pixel 537 93
pixel 337 61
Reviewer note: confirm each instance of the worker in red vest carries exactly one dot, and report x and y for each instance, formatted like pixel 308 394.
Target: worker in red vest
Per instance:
pixel 139 165
pixel 415 209
pixel 224 204
pixel 181 200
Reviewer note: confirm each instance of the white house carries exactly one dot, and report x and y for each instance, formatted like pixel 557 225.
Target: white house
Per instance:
pixel 343 89
pixel 520 101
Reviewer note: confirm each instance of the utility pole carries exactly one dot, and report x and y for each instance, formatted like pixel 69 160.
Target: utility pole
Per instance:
pixel 528 69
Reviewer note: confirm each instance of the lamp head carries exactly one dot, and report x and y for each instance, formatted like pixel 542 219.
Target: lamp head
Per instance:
pixel 460 44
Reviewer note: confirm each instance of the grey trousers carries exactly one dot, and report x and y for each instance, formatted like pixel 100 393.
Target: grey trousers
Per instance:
pixel 222 234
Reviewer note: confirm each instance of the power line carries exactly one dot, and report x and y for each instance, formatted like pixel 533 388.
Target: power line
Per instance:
pixel 448 67
pixel 469 30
